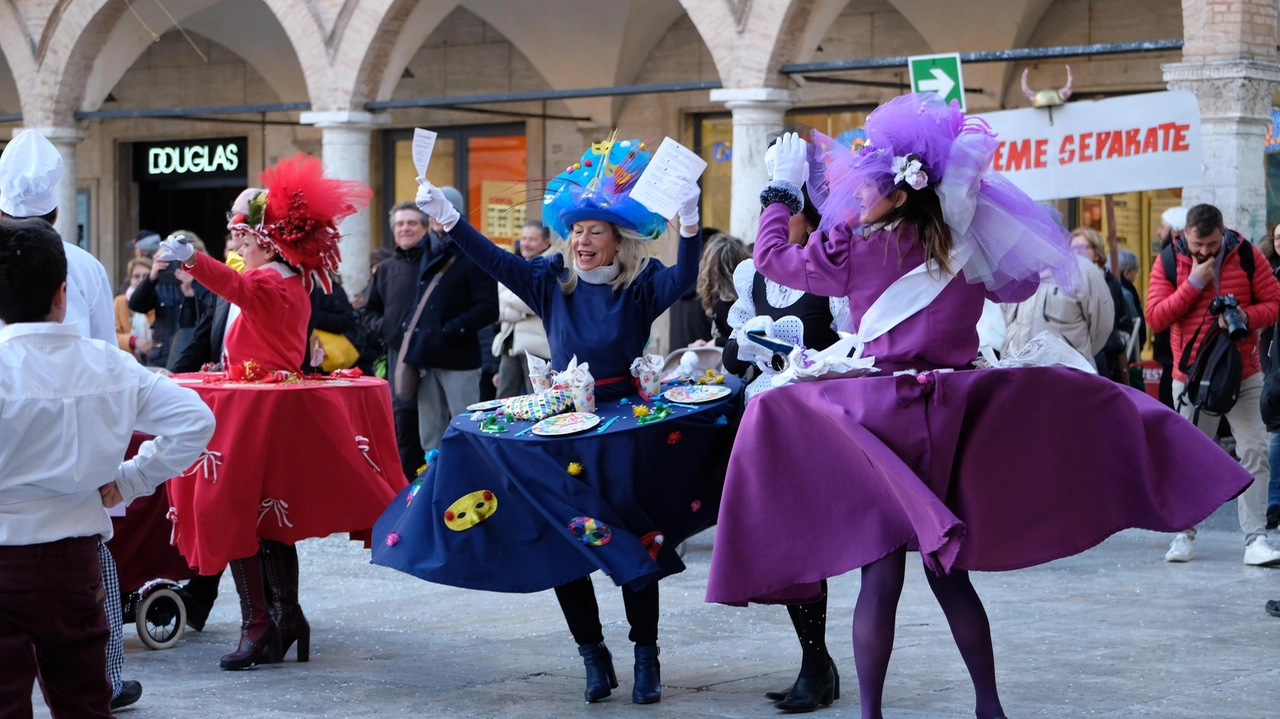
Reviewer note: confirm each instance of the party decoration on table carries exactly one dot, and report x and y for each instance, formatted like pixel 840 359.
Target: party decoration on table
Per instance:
pixel 486 405
pixel 477 416
pixel 470 510
pixel 541 405
pixel 640 411
pixel 352 373
pixel 362 444
pixel 648 370
pixel 688 371
pixel 582 385
pixel 591 532
pixel 566 424
pixel 624 400
pixel 698 393
pixel 673 438
pixel 653 544
pixel 604 427
pixel 541 376
pixel 1043 350
pixel 492 425
pixel 710 377
pixel 413 492
pixel 659 412
pixel 575 468
pixel 834 362
pixel 393 539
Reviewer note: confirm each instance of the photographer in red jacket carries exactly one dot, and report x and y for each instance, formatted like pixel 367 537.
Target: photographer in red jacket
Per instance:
pixel 1213 268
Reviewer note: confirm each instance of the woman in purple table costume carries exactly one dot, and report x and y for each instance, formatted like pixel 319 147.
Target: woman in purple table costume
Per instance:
pixel 990 469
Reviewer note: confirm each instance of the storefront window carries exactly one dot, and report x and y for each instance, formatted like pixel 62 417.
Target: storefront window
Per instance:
pixel 487 164
pixel 713 140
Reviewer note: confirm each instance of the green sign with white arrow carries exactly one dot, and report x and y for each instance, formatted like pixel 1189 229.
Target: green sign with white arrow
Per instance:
pixel 938 73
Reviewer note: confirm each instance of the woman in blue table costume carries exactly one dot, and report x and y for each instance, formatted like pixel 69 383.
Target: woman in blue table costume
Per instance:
pixel 523 513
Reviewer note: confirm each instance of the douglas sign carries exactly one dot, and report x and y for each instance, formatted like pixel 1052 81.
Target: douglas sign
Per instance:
pixel 164 161
pixel 1125 144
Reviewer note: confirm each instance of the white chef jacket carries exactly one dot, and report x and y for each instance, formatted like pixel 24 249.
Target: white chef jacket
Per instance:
pixel 68 408
pixel 89 296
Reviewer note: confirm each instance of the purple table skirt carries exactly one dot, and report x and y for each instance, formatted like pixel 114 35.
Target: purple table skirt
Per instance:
pixel 984 470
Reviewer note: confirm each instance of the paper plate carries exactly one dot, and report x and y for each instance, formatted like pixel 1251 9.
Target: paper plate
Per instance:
pixel 566 424
pixel 695 393
pixel 490 404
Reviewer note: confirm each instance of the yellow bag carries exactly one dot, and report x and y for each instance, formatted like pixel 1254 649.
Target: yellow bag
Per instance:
pixel 339 353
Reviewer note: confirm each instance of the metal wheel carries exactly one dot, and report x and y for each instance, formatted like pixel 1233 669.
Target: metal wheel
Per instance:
pixel 161 618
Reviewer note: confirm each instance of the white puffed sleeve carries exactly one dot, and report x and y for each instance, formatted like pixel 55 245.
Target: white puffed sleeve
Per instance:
pixel 744 277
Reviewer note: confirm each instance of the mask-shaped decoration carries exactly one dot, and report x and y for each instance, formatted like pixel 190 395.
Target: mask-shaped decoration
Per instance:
pixel 589 531
pixel 470 510
pixel 1047 98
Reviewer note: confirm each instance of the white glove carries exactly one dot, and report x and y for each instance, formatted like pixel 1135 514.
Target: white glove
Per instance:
pixel 688 211
pixel 790 159
pixel 173 249
pixel 433 202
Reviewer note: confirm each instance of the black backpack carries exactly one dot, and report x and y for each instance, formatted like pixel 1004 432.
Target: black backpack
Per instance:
pixel 1213 381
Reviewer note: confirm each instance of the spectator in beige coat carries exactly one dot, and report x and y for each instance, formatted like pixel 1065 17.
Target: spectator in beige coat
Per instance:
pixel 1083 319
pixel 521 329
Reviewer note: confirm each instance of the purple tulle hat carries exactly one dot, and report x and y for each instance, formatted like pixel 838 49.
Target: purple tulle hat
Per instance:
pixel 1003 235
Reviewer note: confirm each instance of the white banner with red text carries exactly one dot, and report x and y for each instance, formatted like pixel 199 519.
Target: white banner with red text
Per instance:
pixel 1124 144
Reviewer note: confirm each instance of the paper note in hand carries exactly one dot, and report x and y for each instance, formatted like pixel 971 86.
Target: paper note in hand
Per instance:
pixel 423 142
pixel 664 183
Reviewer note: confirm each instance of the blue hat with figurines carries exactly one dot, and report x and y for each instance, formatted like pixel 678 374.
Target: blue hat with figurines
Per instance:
pixel 598 187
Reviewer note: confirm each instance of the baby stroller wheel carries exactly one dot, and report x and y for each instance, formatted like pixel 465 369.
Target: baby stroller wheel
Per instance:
pixel 161 618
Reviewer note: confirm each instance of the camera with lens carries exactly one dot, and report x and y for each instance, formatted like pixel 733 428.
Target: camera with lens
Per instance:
pixel 1229 307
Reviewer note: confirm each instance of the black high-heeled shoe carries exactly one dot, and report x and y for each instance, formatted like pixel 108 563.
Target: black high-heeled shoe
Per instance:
pixel 776 697
pixel 811 692
pixel 601 678
pixel 648 686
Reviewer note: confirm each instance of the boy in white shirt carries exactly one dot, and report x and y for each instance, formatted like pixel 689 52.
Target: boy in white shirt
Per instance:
pixel 68 407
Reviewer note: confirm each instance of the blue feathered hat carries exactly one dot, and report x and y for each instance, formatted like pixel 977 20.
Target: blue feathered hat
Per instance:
pixel 598 187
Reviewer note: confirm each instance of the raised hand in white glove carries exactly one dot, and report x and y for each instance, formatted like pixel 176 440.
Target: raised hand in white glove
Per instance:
pixel 688 211
pixel 433 202
pixel 174 249
pixel 790 159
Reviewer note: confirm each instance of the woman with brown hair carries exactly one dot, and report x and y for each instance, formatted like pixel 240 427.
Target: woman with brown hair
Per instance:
pixel 720 257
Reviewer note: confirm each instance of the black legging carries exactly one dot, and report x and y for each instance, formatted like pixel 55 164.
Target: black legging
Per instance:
pixel 578 602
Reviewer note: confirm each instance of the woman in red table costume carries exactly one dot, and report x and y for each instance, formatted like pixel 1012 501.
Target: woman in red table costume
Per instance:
pixel 292 241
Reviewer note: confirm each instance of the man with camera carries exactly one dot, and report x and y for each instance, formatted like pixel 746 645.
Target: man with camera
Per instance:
pixel 1214 291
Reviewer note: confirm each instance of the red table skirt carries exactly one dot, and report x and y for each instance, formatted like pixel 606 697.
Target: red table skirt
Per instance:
pixel 287 462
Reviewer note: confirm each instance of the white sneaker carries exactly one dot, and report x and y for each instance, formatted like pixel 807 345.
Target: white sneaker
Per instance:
pixel 1180 549
pixel 1260 553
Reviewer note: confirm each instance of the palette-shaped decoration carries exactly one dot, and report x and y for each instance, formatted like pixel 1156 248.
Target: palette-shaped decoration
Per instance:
pixel 695 394
pixel 566 424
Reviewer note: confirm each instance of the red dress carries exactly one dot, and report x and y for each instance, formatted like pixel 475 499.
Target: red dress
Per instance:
pixel 288 461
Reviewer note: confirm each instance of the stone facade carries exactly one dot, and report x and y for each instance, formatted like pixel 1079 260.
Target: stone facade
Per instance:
pixel 86 55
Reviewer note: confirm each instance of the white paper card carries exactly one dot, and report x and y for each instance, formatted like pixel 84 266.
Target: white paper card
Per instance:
pixel 424 141
pixel 662 187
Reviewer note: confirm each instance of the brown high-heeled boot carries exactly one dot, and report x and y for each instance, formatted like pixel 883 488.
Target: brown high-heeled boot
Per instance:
pixel 259 636
pixel 281 564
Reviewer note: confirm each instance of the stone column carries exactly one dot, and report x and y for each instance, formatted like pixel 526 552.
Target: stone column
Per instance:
pixel 757 112
pixel 65 140
pixel 1229 63
pixel 347 137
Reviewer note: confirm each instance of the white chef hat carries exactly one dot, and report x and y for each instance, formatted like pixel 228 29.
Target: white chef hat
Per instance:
pixel 30 169
pixel 1175 217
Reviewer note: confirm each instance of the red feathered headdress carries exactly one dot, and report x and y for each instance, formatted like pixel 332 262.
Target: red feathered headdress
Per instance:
pixel 299 212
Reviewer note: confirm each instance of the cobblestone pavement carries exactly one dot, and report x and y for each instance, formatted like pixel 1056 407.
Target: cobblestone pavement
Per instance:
pixel 1113 632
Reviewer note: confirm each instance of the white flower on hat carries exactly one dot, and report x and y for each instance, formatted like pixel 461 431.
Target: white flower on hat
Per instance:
pixel 907 168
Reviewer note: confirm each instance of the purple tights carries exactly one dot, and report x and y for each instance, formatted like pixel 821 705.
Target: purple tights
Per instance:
pixel 873 624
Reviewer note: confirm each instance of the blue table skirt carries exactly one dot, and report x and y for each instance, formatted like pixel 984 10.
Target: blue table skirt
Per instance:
pixel 663 477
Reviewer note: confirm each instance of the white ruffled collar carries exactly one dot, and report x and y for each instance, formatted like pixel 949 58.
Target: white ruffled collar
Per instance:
pixel 600 275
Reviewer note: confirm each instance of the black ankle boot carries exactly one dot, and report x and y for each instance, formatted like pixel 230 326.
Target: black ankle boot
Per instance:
pixel 600 675
pixel 648 686
pixel 811 692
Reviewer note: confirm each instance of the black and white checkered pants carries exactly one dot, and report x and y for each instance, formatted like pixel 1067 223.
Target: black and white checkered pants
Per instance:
pixel 115 647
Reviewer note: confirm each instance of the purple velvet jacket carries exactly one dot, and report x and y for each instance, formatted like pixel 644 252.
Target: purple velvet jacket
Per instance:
pixel 844 263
